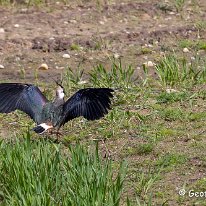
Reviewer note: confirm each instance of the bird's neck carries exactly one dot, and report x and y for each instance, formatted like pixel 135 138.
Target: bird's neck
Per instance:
pixel 58 101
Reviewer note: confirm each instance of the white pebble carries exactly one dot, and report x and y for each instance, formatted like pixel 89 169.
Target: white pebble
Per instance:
pixel 16 25
pixel 149 64
pixel 44 67
pixel 116 56
pixel 171 91
pixel 101 22
pixel 2 30
pixel 59 68
pixel 73 21
pixel 1 66
pixel 82 82
pixel 66 56
pixel 186 50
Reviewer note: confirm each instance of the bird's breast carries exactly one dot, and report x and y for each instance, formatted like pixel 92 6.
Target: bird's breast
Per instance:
pixel 52 114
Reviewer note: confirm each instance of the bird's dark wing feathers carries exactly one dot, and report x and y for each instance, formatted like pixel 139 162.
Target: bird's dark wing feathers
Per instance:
pixel 25 97
pixel 91 103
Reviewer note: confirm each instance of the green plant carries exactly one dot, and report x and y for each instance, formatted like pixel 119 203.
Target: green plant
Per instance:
pixel 117 77
pixel 173 71
pixel 172 114
pixel 165 97
pixel 73 78
pixel 38 173
pixel 179 4
pixel 144 181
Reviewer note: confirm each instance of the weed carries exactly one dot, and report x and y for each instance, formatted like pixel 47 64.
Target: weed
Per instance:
pixel 145 50
pixel 117 77
pixel 164 6
pixel 194 45
pixel 144 180
pixel 75 47
pixel 37 173
pixel 179 4
pixel 179 72
pixel 73 79
pixel 171 160
pixel 165 97
pixel 198 116
pixel 144 149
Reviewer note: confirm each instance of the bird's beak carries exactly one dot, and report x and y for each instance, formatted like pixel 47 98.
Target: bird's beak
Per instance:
pixel 60 84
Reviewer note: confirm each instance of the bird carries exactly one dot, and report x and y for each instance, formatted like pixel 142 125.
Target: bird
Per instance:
pixel 90 103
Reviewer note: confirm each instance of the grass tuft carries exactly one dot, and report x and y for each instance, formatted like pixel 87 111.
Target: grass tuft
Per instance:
pixel 38 173
pixel 174 72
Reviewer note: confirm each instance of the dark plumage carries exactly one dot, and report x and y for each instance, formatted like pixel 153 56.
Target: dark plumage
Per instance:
pixel 91 103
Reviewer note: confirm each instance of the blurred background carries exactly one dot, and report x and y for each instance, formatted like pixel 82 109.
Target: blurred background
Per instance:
pixel 84 33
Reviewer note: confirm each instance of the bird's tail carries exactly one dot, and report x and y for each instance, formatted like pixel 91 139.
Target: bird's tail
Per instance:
pixel 41 128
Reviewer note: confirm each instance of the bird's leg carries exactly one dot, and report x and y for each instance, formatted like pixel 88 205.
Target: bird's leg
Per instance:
pixel 58 134
pixel 107 153
pixel 50 131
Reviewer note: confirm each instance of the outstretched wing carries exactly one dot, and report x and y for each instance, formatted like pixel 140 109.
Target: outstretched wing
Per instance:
pixel 91 103
pixel 25 97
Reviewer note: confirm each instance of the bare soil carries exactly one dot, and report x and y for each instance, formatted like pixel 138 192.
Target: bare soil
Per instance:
pixel 137 31
pixel 90 34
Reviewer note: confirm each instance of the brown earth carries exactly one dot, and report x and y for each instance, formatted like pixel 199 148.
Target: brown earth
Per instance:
pixel 91 34
pixel 136 31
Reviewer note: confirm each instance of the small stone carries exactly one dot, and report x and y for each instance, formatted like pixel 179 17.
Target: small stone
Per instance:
pixel 73 21
pixel 2 30
pixel 185 50
pixel 149 64
pixel 66 56
pixel 16 25
pixel 44 67
pixel 17 59
pixel 116 56
pixel 59 68
pixel 171 91
pixel 24 10
pixel 101 22
pixel 1 66
pixel 82 82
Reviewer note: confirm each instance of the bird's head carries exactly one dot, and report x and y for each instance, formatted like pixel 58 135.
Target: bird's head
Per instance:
pixel 60 92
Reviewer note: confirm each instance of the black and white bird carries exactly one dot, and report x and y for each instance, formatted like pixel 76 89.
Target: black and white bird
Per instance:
pixel 91 103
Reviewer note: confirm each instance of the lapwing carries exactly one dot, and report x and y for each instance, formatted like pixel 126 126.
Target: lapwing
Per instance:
pixel 90 103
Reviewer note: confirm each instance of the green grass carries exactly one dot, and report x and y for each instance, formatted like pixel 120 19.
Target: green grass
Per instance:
pixel 193 44
pixel 175 72
pixel 39 173
pixel 157 125
pixel 179 4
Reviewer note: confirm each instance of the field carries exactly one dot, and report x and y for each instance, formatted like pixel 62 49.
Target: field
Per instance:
pixel 151 147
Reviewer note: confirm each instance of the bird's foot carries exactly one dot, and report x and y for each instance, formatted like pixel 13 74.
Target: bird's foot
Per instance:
pixel 58 134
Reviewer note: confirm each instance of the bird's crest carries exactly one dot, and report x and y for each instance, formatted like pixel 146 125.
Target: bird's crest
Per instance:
pixel 59 84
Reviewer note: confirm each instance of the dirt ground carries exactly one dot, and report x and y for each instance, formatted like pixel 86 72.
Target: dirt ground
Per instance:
pixel 91 34
pixel 137 31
